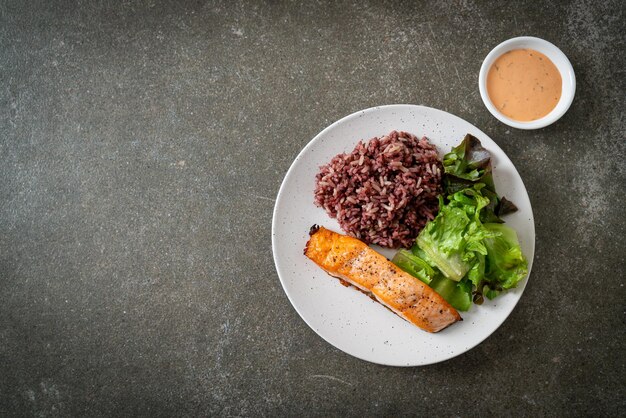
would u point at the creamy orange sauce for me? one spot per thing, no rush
(524, 84)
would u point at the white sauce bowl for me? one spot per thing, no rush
(556, 56)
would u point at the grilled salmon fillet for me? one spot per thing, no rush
(352, 260)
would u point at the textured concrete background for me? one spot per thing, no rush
(142, 145)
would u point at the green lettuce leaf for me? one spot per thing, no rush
(459, 295)
(444, 242)
(505, 263)
(455, 238)
(468, 161)
(469, 164)
(414, 265)
(485, 257)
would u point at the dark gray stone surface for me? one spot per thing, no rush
(142, 145)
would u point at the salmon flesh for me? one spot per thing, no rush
(352, 260)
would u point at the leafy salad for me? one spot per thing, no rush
(467, 253)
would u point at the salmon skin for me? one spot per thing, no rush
(352, 260)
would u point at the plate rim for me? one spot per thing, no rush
(281, 191)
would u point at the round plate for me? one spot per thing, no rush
(346, 318)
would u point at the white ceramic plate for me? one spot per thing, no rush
(346, 318)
